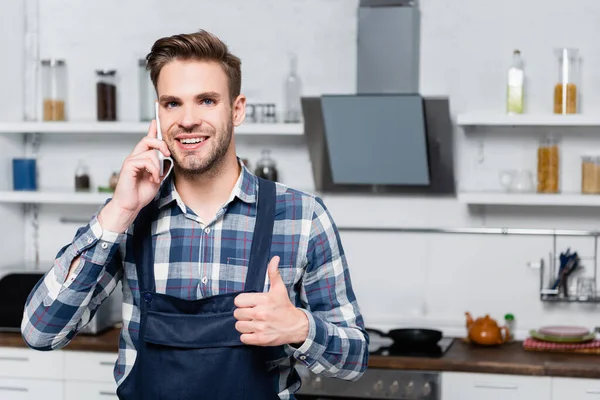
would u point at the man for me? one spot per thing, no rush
(228, 279)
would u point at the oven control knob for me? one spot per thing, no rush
(378, 386)
(317, 383)
(410, 388)
(426, 391)
(394, 387)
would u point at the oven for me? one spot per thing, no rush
(374, 384)
(381, 383)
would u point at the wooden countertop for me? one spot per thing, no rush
(461, 357)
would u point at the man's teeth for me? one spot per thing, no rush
(192, 141)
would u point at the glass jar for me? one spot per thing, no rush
(54, 89)
(548, 168)
(566, 90)
(106, 95)
(82, 177)
(293, 108)
(147, 93)
(266, 168)
(590, 174)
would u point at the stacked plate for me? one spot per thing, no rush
(563, 334)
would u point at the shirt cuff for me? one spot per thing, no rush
(316, 342)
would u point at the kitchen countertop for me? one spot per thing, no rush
(461, 357)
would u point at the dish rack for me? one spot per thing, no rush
(554, 289)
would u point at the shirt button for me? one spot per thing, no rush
(90, 240)
(204, 280)
(104, 245)
(302, 357)
(207, 230)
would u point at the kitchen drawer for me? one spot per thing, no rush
(468, 386)
(90, 391)
(90, 366)
(575, 389)
(27, 363)
(30, 389)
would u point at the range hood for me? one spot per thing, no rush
(386, 138)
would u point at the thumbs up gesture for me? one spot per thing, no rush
(270, 319)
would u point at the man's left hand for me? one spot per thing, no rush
(270, 319)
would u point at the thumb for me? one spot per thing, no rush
(274, 275)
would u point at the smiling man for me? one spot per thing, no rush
(228, 280)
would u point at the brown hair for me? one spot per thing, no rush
(199, 46)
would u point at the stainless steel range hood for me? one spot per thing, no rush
(387, 137)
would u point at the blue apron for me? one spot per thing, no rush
(190, 349)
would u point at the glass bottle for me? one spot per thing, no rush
(509, 321)
(106, 95)
(266, 168)
(566, 90)
(515, 90)
(147, 93)
(82, 177)
(548, 168)
(54, 84)
(293, 89)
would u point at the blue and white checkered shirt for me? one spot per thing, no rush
(193, 260)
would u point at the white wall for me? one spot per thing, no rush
(466, 48)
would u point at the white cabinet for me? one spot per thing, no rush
(30, 389)
(90, 391)
(27, 363)
(575, 389)
(89, 366)
(474, 386)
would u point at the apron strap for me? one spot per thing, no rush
(143, 249)
(261, 239)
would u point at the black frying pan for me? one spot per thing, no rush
(411, 337)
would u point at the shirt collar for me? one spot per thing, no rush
(245, 189)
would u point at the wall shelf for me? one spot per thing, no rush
(135, 128)
(54, 197)
(533, 199)
(498, 119)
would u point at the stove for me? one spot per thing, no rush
(379, 383)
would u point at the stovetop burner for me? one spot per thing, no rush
(394, 350)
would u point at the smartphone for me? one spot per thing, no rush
(161, 156)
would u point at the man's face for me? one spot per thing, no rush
(196, 114)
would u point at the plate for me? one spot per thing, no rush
(561, 339)
(564, 331)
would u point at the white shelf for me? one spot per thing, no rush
(488, 119)
(135, 128)
(53, 197)
(518, 199)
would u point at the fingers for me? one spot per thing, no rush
(243, 314)
(250, 300)
(249, 326)
(141, 165)
(150, 142)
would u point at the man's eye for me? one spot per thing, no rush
(208, 102)
(171, 104)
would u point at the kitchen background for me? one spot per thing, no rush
(401, 279)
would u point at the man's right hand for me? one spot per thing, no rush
(139, 181)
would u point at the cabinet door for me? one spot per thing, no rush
(27, 363)
(90, 391)
(90, 366)
(575, 389)
(468, 386)
(30, 389)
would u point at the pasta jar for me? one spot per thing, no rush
(566, 89)
(54, 89)
(590, 174)
(548, 168)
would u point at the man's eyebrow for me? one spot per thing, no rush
(204, 95)
(168, 99)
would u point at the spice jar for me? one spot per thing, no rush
(82, 177)
(54, 84)
(147, 93)
(566, 89)
(106, 95)
(265, 167)
(590, 174)
(548, 166)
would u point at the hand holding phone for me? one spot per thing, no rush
(161, 156)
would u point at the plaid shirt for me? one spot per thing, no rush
(193, 260)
